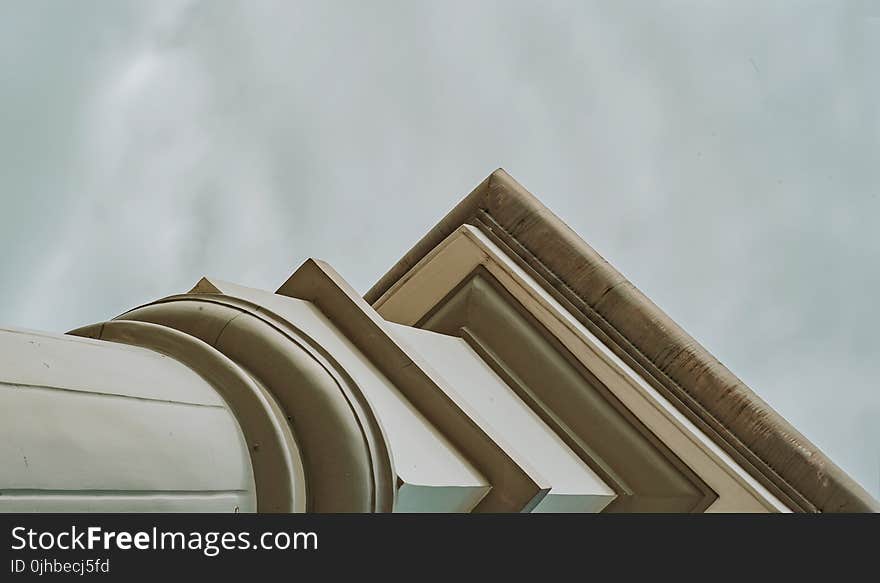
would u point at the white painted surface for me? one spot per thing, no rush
(435, 476)
(58, 360)
(94, 426)
(574, 487)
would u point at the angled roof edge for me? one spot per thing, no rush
(647, 339)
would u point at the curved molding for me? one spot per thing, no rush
(345, 461)
(274, 454)
(515, 488)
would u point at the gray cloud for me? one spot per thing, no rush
(724, 157)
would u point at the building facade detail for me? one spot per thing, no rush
(500, 366)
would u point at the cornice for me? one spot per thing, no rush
(642, 335)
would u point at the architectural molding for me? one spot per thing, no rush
(637, 332)
(347, 469)
(275, 458)
(645, 474)
(516, 488)
(95, 426)
(501, 366)
(467, 264)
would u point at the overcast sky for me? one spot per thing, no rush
(725, 157)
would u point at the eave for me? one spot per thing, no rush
(703, 390)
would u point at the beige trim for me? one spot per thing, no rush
(571, 401)
(432, 475)
(649, 342)
(483, 395)
(467, 248)
(277, 465)
(515, 488)
(345, 470)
